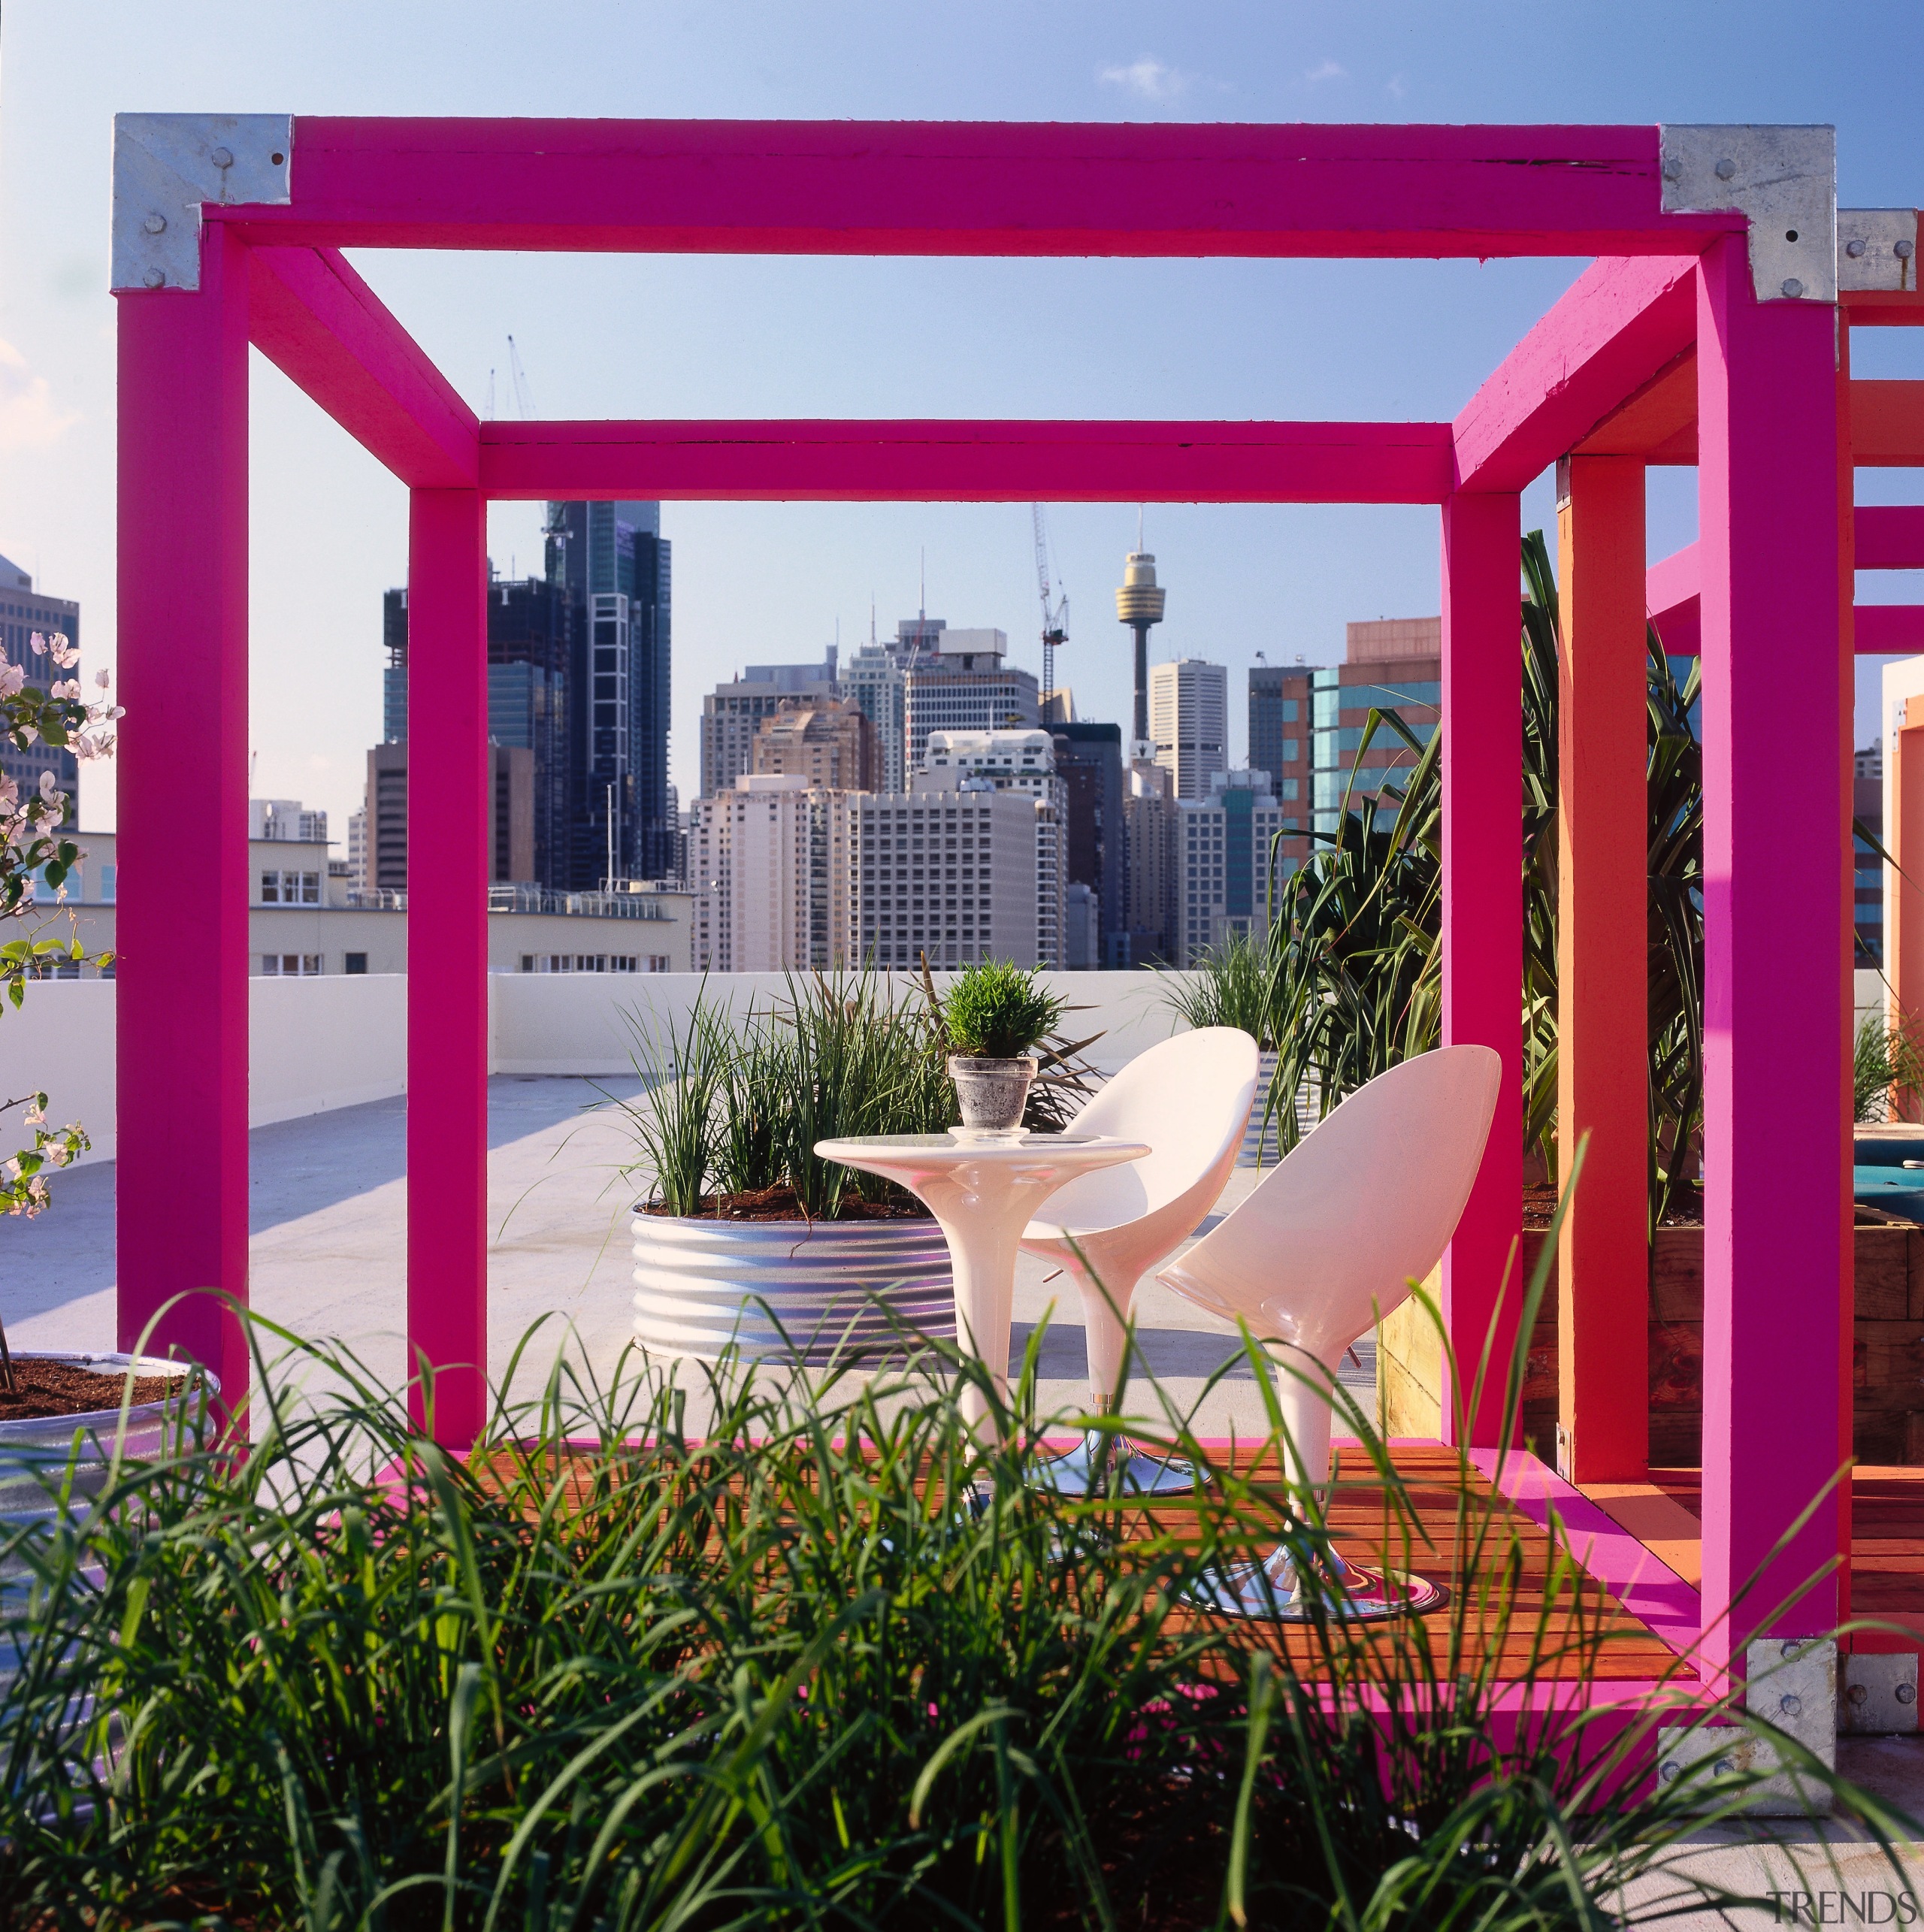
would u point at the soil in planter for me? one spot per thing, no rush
(65, 1389)
(778, 1204)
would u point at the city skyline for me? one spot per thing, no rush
(696, 335)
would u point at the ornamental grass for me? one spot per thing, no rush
(827, 1660)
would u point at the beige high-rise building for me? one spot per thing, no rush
(770, 865)
(1189, 722)
(826, 741)
(1149, 823)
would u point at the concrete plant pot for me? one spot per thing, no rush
(992, 1093)
(788, 1291)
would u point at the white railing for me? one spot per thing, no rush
(318, 1043)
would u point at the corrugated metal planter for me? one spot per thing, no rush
(36, 1451)
(852, 1285)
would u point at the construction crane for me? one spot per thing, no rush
(1055, 615)
(524, 402)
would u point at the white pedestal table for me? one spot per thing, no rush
(983, 1192)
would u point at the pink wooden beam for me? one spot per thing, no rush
(962, 188)
(891, 461)
(1672, 597)
(1774, 1152)
(182, 967)
(448, 817)
(1613, 331)
(1888, 536)
(1672, 602)
(1889, 630)
(1483, 925)
(320, 324)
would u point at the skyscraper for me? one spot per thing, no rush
(1088, 759)
(873, 679)
(1189, 722)
(1393, 664)
(732, 712)
(532, 625)
(531, 637)
(965, 684)
(615, 565)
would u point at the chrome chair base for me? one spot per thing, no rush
(1088, 1468)
(1346, 1592)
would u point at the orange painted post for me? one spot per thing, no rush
(1602, 1077)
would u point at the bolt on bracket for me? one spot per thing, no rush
(168, 167)
(1784, 179)
(1876, 249)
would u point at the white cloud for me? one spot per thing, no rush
(29, 419)
(1327, 70)
(1152, 79)
(1396, 87)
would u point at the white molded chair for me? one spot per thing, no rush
(1189, 1098)
(1332, 1240)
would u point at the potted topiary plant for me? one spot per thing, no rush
(994, 1015)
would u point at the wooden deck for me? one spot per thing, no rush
(1509, 1614)
(1887, 1538)
(1497, 1561)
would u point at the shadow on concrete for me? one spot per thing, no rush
(295, 1168)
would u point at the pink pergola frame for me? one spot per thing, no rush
(247, 250)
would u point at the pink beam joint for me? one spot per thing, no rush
(448, 820)
(181, 972)
(1774, 855)
(1483, 929)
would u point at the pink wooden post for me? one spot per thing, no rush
(181, 1194)
(1483, 917)
(447, 957)
(1767, 486)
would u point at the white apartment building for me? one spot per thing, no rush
(1020, 761)
(279, 819)
(1222, 863)
(947, 873)
(1189, 721)
(769, 865)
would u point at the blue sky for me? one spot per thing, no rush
(655, 336)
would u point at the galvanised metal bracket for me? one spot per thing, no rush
(167, 166)
(1876, 249)
(1784, 179)
(1791, 1682)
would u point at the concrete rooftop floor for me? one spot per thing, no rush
(328, 1254)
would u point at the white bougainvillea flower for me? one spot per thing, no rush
(12, 678)
(37, 644)
(65, 688)
(103, 679)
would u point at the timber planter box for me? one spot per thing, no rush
(1888, 1368)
